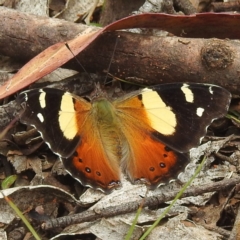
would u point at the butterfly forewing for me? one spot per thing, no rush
(179, 114)
(52, 113)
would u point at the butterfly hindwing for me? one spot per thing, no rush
(148, 160)
(90, 163)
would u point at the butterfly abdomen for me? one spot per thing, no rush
(108, 127)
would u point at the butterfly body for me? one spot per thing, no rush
(146, 133)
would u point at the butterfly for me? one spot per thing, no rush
(146, 134)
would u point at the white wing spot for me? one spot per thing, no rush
(188, 93)
(25, 97)
(211, 90)
(199, 112)
(42, 99)
(40, 117)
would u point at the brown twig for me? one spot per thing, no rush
(153, 60)
(235, 234)
(225, 6)
(226, 158)
(216, 229)
(167, 7)
(8, 113)
(91, 215)
(185, 6)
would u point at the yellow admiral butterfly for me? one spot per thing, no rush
(147, 133)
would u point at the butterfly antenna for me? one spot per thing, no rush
(111, 60)
(66, 44)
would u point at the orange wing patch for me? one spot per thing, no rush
(92, 164)
(147, 159)
(150, 161)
